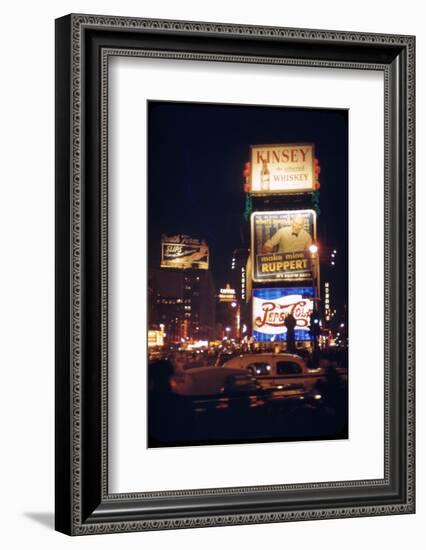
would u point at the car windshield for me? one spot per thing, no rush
(288, 367)
(224, 358)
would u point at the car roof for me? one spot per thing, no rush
(262, 356)
(212, 371)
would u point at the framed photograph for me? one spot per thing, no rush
(234, 274)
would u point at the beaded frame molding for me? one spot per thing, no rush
(84, 44)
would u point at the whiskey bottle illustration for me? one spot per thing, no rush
(265, 177)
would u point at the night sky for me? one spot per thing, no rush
(196, 155)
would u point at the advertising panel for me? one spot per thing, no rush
(281, 169)
(227, 294)
(280, 244)
(184, 252)
(271, 306)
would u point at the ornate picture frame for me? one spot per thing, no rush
(84, 45)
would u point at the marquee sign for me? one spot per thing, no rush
(155, 338)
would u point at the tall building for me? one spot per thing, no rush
(199, 295)
(183, 300)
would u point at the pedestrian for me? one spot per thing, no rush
(290, 323)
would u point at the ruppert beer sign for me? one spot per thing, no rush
(271, 306)
(281, 169)
(280, 245)
(184, 252)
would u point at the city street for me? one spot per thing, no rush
(240, 408)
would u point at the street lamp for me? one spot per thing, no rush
(315, 326)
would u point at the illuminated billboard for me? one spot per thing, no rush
(227, 294)
(271, 306)
(280, 244)
(281, 169)
(183, 252)
(155, 338)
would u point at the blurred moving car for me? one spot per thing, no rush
(217, 388)
(207, 380)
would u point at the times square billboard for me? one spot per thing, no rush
(184, 252)
(271, 307)
(282, 169)
(280, 242)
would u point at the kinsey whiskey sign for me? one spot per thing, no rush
(282, 169)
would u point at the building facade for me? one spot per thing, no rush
(183, 300)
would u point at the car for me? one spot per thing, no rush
(277, 370)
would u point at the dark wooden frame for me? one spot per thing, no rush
(83, 46)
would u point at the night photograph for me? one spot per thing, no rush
(247, 274)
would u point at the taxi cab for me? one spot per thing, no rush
(277, 370)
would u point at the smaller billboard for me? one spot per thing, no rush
(282, 169)
(227, 294)
(280, 245)
(271, 306)
(184, 252)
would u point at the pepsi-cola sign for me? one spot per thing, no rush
(271, 306)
